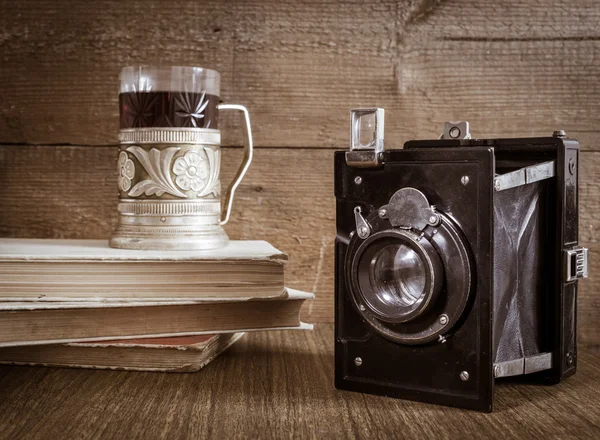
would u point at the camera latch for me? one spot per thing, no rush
(362, 226)
(366, 137)
(576, 266)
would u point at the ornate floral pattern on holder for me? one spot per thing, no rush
(195, 171)
(191, 171)
(126, 170)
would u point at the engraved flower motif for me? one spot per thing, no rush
(191, 171)
(126, 171)
(189, 107)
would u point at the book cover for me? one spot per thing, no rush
(38, 323)
(182, 354)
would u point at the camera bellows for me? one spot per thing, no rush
(521, 252)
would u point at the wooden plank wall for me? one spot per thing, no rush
(512, 68)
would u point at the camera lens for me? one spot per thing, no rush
(397, 275)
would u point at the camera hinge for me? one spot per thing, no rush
(576, 264)
(366, 138)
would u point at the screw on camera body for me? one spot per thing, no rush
(454, 132)
(570, 359)
(443, 320)
(559, 134)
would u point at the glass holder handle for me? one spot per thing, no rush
(239, 175)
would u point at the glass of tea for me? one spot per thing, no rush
(169, 160)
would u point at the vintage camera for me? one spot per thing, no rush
(457, 262)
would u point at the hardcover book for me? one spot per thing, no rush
(45, 322)
(84, 270)
(182, 354)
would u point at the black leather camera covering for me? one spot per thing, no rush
(429, 372)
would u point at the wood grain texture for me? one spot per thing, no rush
(287, 199)
(275, 385)
(509, 67)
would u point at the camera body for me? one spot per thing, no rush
(456, 263)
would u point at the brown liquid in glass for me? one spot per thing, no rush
(168, 109)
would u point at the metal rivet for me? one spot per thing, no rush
(435, 231)
(358, 180)
(358, 362)
(351, 234)
(361, 308)
(163, 219)
(570, 360)
(464, 180)
(454, 132)
(433, 219)
(497, 185)
(382, 212)
(464, 376)
(362, 231)
(443, 319)
(441, 339)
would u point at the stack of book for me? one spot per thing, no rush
(82, 303)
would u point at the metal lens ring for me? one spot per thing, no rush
(398, 274)
(415, 305)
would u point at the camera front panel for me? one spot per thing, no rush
(413, 292)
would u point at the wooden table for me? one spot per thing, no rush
(275, 385)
